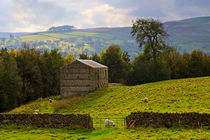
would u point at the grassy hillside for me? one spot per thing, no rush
(186, 35)
(74, 42)
(183, 95)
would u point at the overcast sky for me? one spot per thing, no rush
(39, 15)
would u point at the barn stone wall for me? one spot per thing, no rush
(101, 77)
(48, 120)
(169, 119)
(75, 79)
(78, 78)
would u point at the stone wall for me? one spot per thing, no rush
(101, 77)
(78, 78)
(75, 79)
(48, 120)
(169, 119)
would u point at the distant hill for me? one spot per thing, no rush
(10, 35)
(190, 34)
(186, 35)
(64, 28)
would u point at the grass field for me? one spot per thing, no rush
(23, 133)
(183, 95)
(57, 36)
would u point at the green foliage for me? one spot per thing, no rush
(50, 64)
(28, 74)
(188, 65)
(68, 59)
(96, 58)
(117, 62)
(196, 63)
(83, 56)
(149, 66)
(167, 62)
(10, 82)
(151, 35)
(144, 70)
(29, 70)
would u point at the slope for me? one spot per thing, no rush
(183, 95)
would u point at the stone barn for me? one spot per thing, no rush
(82, 76)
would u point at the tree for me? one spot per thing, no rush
(64, 28)
(29, 70)
(10, 81)
(83, 56)
(145, 71)
(174, 61)
(150, 65)
(127, 68)
(151, 35)
(68, 59)
(50, 63)
(196, 64)
(113, 59)
(96, 58)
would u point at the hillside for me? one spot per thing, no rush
(185, 35)
(183, 95)
(190, 34)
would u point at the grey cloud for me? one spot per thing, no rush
(41, 12)
(165, 9)
(5, 16)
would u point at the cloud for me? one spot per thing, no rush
(106, 15)
(39, 15)
(5, 17)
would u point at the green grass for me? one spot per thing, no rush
(38, 37)
(56, 36)
(14, 133)
(183, 95)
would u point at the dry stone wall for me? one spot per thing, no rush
(75, 79)
(48, 120)
(78, 78)
(169, 119)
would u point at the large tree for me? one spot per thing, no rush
(29, 70)
(150, 35)
(117, 62)
(50, 63)
(10, 81)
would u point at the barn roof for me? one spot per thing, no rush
(89, 63)
(92, 63)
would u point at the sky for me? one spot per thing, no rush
(39, 15)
